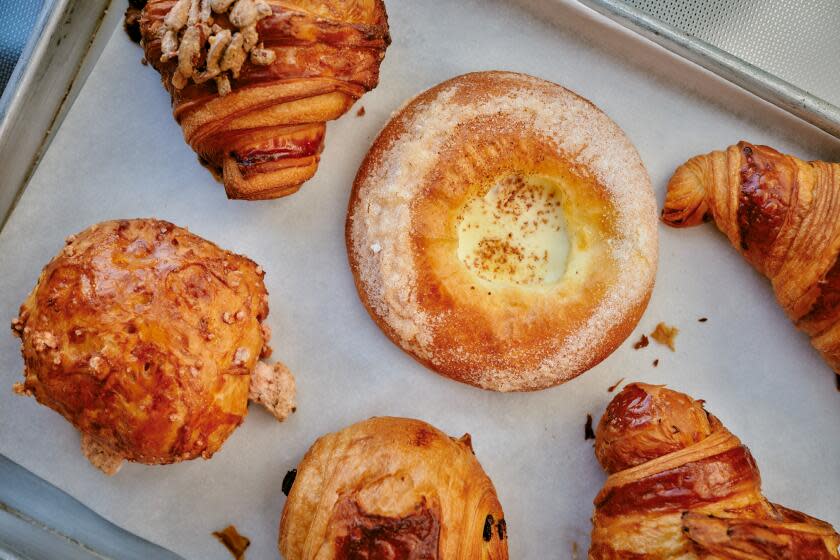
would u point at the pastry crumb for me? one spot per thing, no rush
(702, 319)
(103, 458)
(236, 543)
(361, 112)
(665, 334)
(656, 362)
(20, 389)
(642, 343)
(274, 388)
(615, 386)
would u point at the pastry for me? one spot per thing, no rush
(392, 488)
(502, 230)
(147, 338)
(781, 213)
(681, 486)
(253, 82)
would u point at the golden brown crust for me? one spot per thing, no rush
(264, 139)
(781, 214)
(392, 488)
(143, 336)
(682, 487)
(445, 149)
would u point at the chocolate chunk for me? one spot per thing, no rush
(289, 481)
(588, 432)
(501, 528)
(488, 528)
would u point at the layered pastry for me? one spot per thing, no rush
(392, 488)
(502, 230)
(148, 339)
(253, 82)
(682, 487)
(781, 213)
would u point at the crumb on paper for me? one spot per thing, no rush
(274, 388)
(642, 343)
(361, 112)
(235, 543)
(702, 319)
(100, 456)
(614, 386)
(656, 362)
(837, 379)
(665, 334)
(588, 432)
(575, 549)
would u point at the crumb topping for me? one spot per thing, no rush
(205, 50)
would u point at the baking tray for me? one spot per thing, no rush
(784, 51)
(118, 153)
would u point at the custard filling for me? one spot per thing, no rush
(516, 233)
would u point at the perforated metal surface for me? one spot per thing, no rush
(796, 40)
(17, 18)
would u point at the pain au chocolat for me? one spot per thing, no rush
(148, 339)
(502, 230)
(392, 488)
(253, 82)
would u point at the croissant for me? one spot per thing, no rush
(781, 213)
(253, 82)
(681, 486)
(392, 488)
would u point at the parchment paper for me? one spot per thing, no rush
(120, 154)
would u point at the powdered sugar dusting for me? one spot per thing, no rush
(393, 175)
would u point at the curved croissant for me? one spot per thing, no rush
(682, 487)
(392, 488)
(781, 213)
(261, 132)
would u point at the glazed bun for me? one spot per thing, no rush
(392, 488)
(145, 337)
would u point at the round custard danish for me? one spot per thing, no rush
(392, 488)
(502, 230)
